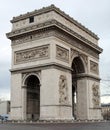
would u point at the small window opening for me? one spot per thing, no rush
(31, 19)
(30, 37)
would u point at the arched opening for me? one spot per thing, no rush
(33, 97)
(77, 68)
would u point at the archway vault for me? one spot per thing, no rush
(32, 84)
(83, 59)
(26, 75)
(78, 65)
(77, 68)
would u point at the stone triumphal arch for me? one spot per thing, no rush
(55, 67)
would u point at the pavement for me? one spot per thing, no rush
(56, 126)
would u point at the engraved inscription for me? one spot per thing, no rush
(96, 96)
(62, 53)
(63, 90)
(31, 54)
(94, 67)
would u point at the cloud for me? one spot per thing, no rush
(6, 93)
(105, 99)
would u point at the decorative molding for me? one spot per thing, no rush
(62, 53)
(41, 67)
(62, 36)
(88, 76)
(65, 105)
(18, 107)
(74, 53)
(31, 54)
(76, 43)
(84, 57)
(51, 24)
(63, 90)
(94, 67)
(25, 75)
(54, 8)
(96, 95)
(32, 37)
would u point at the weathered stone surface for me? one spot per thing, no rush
(54, 68)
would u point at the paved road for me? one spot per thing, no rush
(69, 126)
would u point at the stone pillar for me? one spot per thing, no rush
(24, 102)
(16, 97)
(94, 100)
(53, 106)
(88, 98)
(82, 99)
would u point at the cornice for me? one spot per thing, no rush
(84, 75)
(40, 67)
(52, 24)
(63, 14)
(53, 65)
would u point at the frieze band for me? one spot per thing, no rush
(32, 37)
(31, 54)
(62, 36)
(52, 23)
(77, 44)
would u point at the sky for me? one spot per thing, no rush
(93, 14)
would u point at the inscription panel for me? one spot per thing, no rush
(59, 35)
(62, 53)
(31, 54)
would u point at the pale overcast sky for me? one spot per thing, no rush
(94, 14)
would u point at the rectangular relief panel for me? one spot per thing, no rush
(96, 95)
(62, 53)
(31, 54)
(94, 67)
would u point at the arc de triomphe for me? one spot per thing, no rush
(55, 67)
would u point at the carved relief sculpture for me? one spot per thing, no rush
(63, 90)
(31, 54)
(47, 46)
(62, 53)
(96, 95)
(85, 58)
(74, 53)
(94, 67)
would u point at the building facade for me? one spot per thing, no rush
(106, 111)
(55, 67)
(4, 107)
